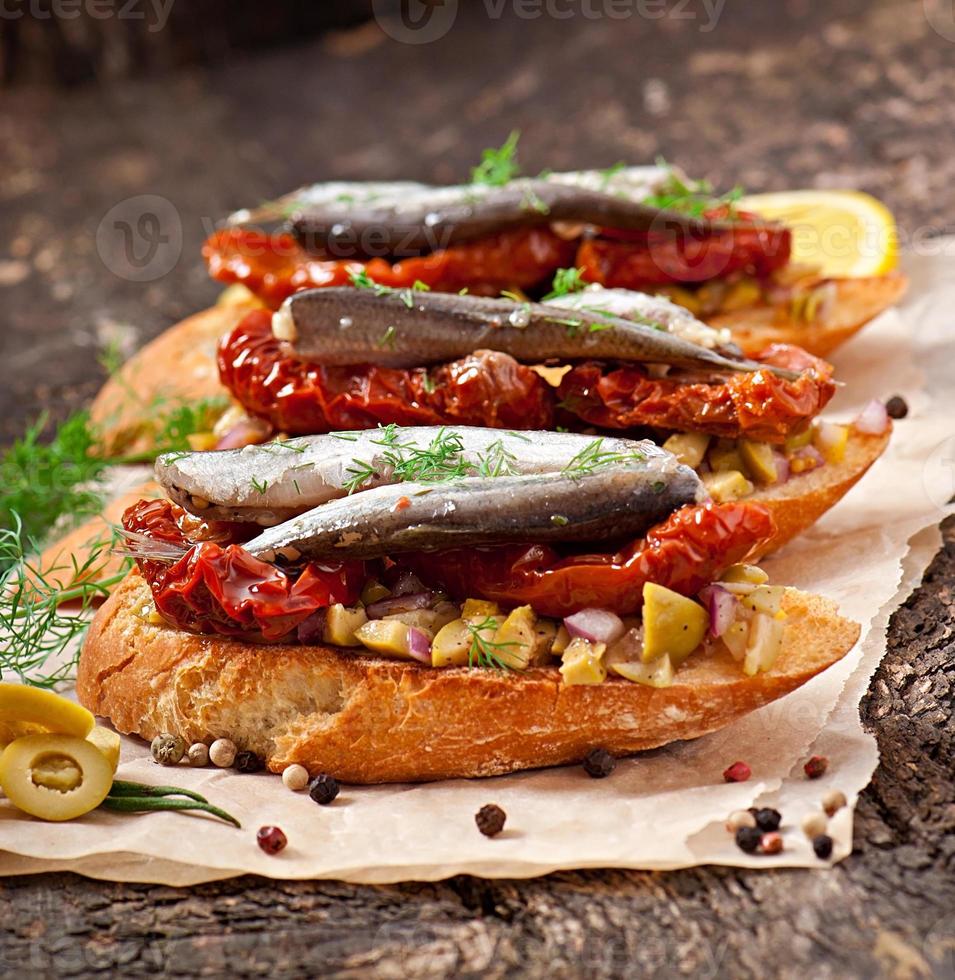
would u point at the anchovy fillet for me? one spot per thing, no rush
(270, 483)
(602, 505)
(407, 328)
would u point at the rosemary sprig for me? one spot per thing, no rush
(498, 164)
(33, 631)
(594, 457)
(484, 651)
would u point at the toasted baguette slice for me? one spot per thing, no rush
(178, 366)
(367, 719)
(87, 554)
(857, 302)
(803, 499)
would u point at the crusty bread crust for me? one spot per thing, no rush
(180, 364)
(368, 719)
(804, 498)
(85, 553)
(857, 302)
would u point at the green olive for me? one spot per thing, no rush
(54, 777)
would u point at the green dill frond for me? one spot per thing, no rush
(39, 643)
(566, 281)
(42, 481)
(484, 650)
(498, 165)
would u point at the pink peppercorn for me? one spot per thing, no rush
(738, 772)
(271, 839)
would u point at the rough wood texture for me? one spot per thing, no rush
(848, 93)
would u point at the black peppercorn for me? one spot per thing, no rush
(490, 819)
(896, 407)
(599, 763)
(748, 838)
(822, 845)
(768, 819)
(248, 762)
(323, 788)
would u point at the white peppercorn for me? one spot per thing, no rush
(739, 818)
(833, 800)
(168, 749)
(198, 754)
(295, 777)
(814, 824)
(222, 752)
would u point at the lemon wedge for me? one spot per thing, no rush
(843, 233)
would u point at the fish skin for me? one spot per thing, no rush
(304, 472)
(405, 218)
(608, 504)
(410, 328)
(629, 303)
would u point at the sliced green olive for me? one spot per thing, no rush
(54, 777)
(26, 710)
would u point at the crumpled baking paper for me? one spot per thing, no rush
(662, 809)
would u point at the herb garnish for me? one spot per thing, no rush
(484, 651)
(498, 165)
(594, 457)
(33, 630)
(497, 461)
(694, 198)
(388, 338)
(260, 487)
(566, 281)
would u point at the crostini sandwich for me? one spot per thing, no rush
(411, 604)
(649, 229)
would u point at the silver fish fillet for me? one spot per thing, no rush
(406, 218)
(601, 505)
(642, 307)
(270, 483)
(408, 328)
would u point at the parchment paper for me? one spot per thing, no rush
(663, 809)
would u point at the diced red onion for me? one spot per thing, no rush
(248, 432)
(407, 584)
(721, 605)
(782, 467)
(312, 630)
(399, 604)
(595, 625)
(873, 419)
(419, 645)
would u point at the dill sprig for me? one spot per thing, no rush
(361, 280)
(484, 650)
(594, 457)
(42, 481)
(498, 164)
(441, 460)
(566, 281)
(497, 461)
(35, 636)
(690, 197)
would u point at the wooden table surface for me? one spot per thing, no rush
(852, 93)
